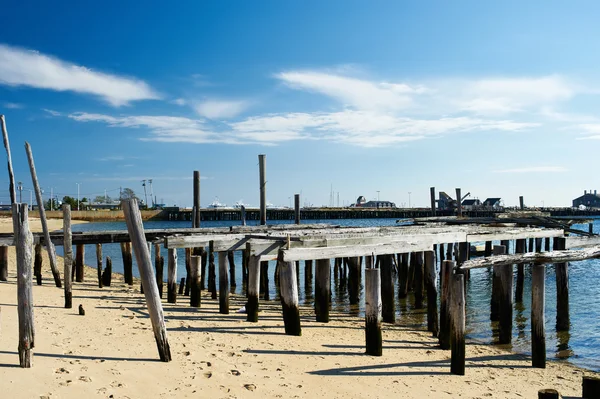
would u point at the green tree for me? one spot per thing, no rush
(128, 193)
(101, 199)
(71, 201)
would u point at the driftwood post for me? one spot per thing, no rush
(68, 255)
(457, 336)
(172, 276)
(388, 310)
(445, 282)
(11, 176)
(289, 296)
(40, 202)
(562, 288)
(135, 228)
(322, 289)
(99, 263)
(538, 330)
(3, 263)
(24, 247)
(37, 265)
(223, 284)
(195, 297)
(432, 315)
(373, 312)
(253, 288)
(79, 262)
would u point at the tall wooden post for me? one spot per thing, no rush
(135, 228)
(159, 265)
(195, 297)
(432, 315)
(520, 248)
(172, 275)
(79, 262)
(99, 263)
(402, 275)
(388, 309)
(373, 312)
(521, 203)
(188, 274)
(253, 288)
(11, 175)
(538, 330)
(289, 296)
(68, 255)
(297, 208)
(458, 203)
(223, 284)
(322, 289)
(505, 298)
(40, 202)
(432, 197)
(24, 246)
(212, 274)
(562, 288)
(231, 261)
(196, 218)
(263, 188)
(457, 336)
(127, 262)
(445, 282)
(3, 263)
(353, 279)
(418, 280)
(37, 265)
(496, 286)
(107, 275)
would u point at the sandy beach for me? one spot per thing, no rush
(111, 353)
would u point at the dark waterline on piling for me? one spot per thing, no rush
(580, 346)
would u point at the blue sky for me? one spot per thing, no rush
(499, 98)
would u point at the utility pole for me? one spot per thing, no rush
(151, 193)
(145, 194)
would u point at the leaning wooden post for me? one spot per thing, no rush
(388, 310)
(538, 330)
(223, 284)
(138, 239)
(231, 261)
(24, 247)
(520, 248)
(562, 288)
(79, 262)
(3, 263)
(263, 188)
(445, 282)
(418, 280)
(196, 218)
(496, 285)
(289, 296)
(505, 297)
(40, 202)
(253, 288)
(172, 276)
(195, 297)
(297, 208)
(99, 263)
(457, 335)
(159, 265)
(402, 275)
(322, 290)
(432, 314)
(373, 312)
(37, 265)
(11, 177)
(127, 262)
(68, 255)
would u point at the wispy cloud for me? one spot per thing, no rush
(12, 105)
(179, 101)
(534, 169)
(218, 109)
(21, 67)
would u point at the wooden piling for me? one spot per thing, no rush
(548, 394)
(373, 315)
(212, 274)
(562, 288)
(505, 297)
(181, 286)
(79, 262)
(520, 248)
(188, 275)
(231, 261)
(68, 255)
(42, 212)
(253, 288)
(264, 280)
(418, 280)
(195, 297)
(24, 246)
(538, 330)
(99, 264)
(432, 314)
(3, 263)
(107, 275)
(223, 284)
(590, 387)
(458, 203)
(136, 233)
(432, 198)
(538, 244)
(308, 275)
(496, 285)
(521, 204)
(322, 290)
(289, 296)
(263, 188)
(127, 262)
(353, 279)
(488, 249)
(388, 309)
(172, 275)
(243, 215)
(457, 316)
(37, 265)
(159, 265)
(445, 283)
(196, 205)
(402, 275)
(297, 208)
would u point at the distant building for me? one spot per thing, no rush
(492, 203)
(94, 206)
(361, 202)
(588, 200)
(446, 202)
(471, 204)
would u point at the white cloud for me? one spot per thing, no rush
(534, 169)
(218, 109)
(20, 67)
(52, 112)
(12, 105)
(179, 101)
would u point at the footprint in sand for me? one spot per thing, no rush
(62, 370)
(250, 387)
(235, 372)
(208, 374)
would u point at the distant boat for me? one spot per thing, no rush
(216, 204)
(240, 203)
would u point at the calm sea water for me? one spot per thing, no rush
(580, 346)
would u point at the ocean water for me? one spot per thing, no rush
(580, 346)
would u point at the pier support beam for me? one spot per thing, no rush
(172, 276)
(262, 162)
(373, 312)
(253, 288)
(520, 248)
(538, 330)
(289, 296)
(223, 284)
(68, 255)
(322, 290)
(430, 285)
(562, 288)
(388, 309)
(354, 279)
(457, 336)
(418, 280)
(402, 275)
(445, 282)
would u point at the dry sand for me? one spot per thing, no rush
(111, 353)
